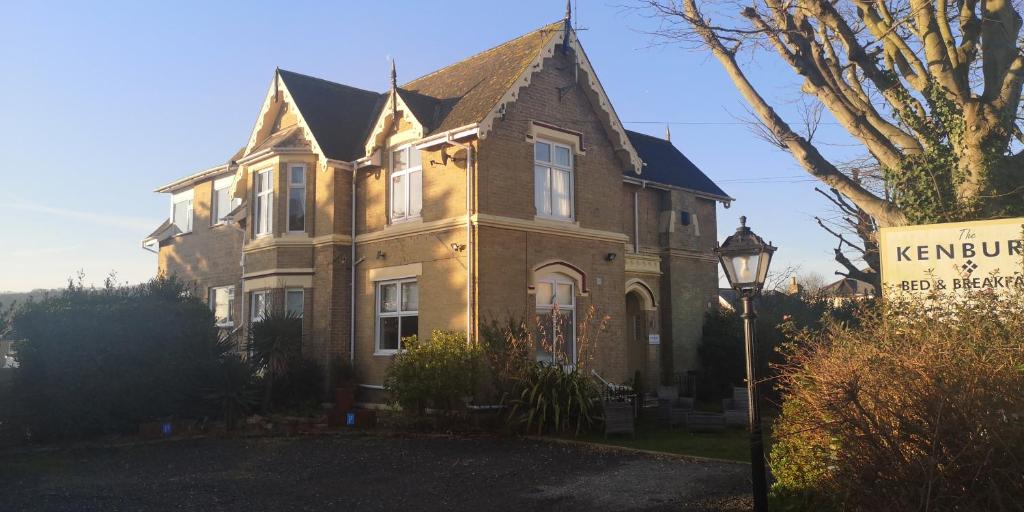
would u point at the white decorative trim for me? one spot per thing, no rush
(539, 225)
(192, 179)
(395, 272)
(386, 120)
(603, 103)
(282, 87)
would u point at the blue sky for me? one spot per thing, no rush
(106, 101)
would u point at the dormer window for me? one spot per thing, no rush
(553, 180)
(181, 210)
(406, 184)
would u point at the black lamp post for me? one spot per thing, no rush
(745, 258)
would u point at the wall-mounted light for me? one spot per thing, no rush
(381, 255)
(610, 256)
(457, 247)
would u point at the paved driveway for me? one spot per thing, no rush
(357, 472)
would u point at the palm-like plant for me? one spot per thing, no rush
(275, 345)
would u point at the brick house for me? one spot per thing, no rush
(492, 188)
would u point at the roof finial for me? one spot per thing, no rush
(394, 75)
(743, 221)
(568, 11)
(668, 133)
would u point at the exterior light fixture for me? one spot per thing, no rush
(745, 258)
(610, 256)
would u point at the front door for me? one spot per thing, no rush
(636, 337)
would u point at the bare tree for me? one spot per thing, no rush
(930, 88)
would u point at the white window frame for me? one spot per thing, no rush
(218, 185)
(263, 199)
(399, 313)
(212, 302)
(548, 307)
(301, 292)
(407, 184)
(288, 199)
(252, 305)
(184, 197)
(551, 167)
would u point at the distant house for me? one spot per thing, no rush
(847, 289)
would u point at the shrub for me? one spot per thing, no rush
(553, 398)
(232, 393)
(289, 380)
(556, 396)
(722, 354)
(441, 372)
(95, 361)
(920, 407)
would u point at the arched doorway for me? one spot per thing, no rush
(636, 337)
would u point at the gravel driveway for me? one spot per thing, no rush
(364, 472)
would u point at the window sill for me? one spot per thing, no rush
(407, 220)
(385, 353)
(229, 325)
(560, 220)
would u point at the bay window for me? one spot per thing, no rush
(222, 303)
(294, 301)
(553, 180)
(259, 305)
(397, 313)
(556, 319)
(406, 184)
(297, 198)
(263, 201)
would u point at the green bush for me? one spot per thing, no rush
(917, 405)
(96, 361)
(556, 397)
(232, 395)
(441, 372)
(722, 354)
(553, 398)
(290, 381)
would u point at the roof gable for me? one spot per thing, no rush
(665, 164)
(338, 116)
(467, 91)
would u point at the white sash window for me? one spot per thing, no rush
(406, 184)
(553, 180)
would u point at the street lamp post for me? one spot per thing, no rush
(745, 258)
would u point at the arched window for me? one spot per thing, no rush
(556, 314)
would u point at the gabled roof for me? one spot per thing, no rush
(339, 116)
(469, 89)
(665, 164)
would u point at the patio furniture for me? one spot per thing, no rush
(737, 410)
(705, 422)
(618, 418)
(671, 407)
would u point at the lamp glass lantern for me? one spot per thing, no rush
(745, 257)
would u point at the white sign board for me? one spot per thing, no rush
(953, 257)
(654, 339)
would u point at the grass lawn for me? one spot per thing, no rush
(731, 444)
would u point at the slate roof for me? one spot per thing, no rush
(339, 116)
(664, 163)
(469, 89)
